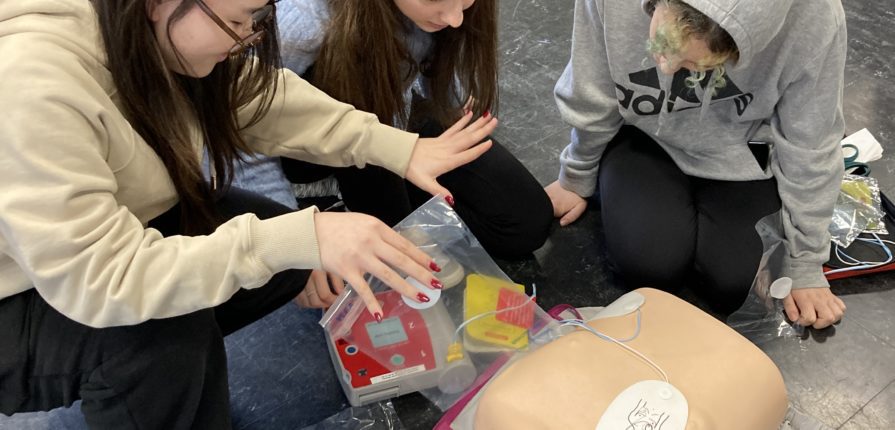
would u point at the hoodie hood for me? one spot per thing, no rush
(752, 24)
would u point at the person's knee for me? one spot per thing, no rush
(726, 288)
(534, 228)
(526, 232)
(174, 364)
(197, 334)
(638, 268)
(182, 345)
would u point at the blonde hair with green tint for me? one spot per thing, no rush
(687, 24)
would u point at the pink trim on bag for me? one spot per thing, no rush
(559, 309)
(454, 411)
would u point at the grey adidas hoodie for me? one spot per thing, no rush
(786, 89)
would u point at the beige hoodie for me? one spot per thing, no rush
(78, 185)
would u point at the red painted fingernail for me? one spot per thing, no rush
(487, 114)
(378, 317)
(423, 298)
(434, 267)
(450, 200)
(437, 284)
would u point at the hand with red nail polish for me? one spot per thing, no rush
(352, 245)
(458, 145)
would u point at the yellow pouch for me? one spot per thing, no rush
(506, 318)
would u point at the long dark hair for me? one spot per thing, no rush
(363, 60)
(163, 106)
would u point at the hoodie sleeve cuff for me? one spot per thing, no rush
(288, 241)
(582, 184)
(392, 148)
(805, 275)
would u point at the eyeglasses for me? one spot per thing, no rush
(259, 19)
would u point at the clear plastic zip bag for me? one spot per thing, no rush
(857, 210)
(376, 416)
(761, 317)
(439, 348)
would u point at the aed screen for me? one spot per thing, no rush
(389, 332)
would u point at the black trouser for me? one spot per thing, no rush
(161, 374)
(503, 205)
(663, 226)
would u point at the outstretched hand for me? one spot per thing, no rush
(353, 244)
(567, 206)
(814, 307)
(457, 146)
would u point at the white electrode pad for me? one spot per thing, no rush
(646, 405)
(781, 288)
(433, 293)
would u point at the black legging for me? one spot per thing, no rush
(499, 200)
(161, 374)
(662, 226)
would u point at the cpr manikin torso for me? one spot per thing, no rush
(568, 384)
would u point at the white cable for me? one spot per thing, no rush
(534, 294)
(862, 265)
(581, 324)
(842, 255)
